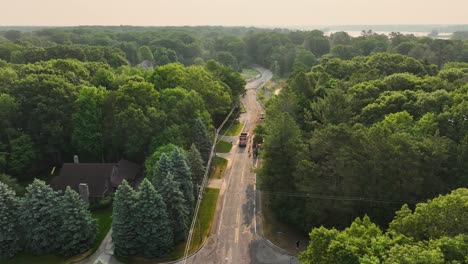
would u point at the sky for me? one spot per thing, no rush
(231, 12)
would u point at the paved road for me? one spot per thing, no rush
(235, 234)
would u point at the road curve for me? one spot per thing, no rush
(235, 235)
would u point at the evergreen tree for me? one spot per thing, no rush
(40, 218)
(123, 223)
(161, 169)
(201, 139)
(10, 234)
(183, 176)
(154, 232)
(78, 231)
(195, 162)
(176, 206)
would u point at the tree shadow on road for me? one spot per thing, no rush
(262, 253)
(248, 207)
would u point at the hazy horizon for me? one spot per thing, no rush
(262, 13)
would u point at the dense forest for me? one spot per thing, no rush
(381, 119)
(364, 136)
(385, 127)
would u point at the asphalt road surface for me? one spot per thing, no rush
(236, 234)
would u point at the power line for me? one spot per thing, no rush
(203, 185)
(336, 197)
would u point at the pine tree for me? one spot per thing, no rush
(154, 231)
(176, 206)
(40, 218)
(123, 223)
(183, 176)
(10, 232)
(202, 140)
(195, 162)
(161, 169)
(79, 229)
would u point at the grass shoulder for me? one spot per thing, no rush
(219, 168)
(233, 130)
(223, 146)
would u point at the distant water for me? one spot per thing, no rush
(352, 33)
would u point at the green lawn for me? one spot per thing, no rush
(248, 73)
(24, 258)
(220, 168)
(233, 130)
(104, 220)
(205, 218)
(200, 233)
(223, 146)
(242, 109)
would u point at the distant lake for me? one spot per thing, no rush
(352, 33)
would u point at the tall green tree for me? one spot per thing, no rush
(135, 117)
(124, 225)
(8, 113)
(228, 76)
(144, 53)
(104, 77)
(201, 139)
(283, 143)
(195, 162)
(79, 228)
(48, 99)
(215, 93)
(88, 122)
(317, 43)
(334, 108)
(152, 161)
(153, 231)
(160, 170)
(183, 175)
(22, 156)
(40, 218)
(10, 232)
(176, 206)
(181, 107)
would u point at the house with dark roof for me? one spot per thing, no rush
(100, 178)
